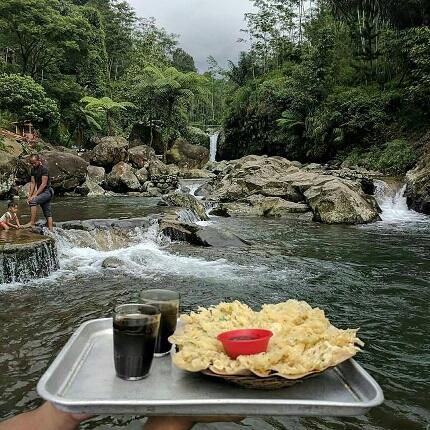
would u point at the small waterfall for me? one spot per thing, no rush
(25, 262)
(188, 216)
(393, 204)
(213, 146)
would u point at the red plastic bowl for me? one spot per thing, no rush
(247, 341)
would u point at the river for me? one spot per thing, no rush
(375, 277)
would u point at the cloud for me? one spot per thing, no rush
(206, 27)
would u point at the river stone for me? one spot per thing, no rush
(337, 202)
(187, 201)
(26, 256)
(90, 189)
(8, 168)
(140, 156)
(67, 171)
(331, 199)
(110, 151)
(195, 174)
(142, 175)
(275, 206)
(187, 155)
(122, 178)
(209, 236)
(112, 263)
(418, 181)
(96, 174)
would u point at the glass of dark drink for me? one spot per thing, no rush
(135, 331)
(168, 303)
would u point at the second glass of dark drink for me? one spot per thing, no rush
(168, 303)
(135, 331)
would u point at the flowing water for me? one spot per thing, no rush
(213, 146)
(375, 277)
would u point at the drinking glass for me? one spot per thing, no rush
(135, 331)
(168, 303)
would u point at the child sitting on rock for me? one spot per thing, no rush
(10, 216)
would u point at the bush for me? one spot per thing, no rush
(394, 158)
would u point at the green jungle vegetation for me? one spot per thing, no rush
(342, 80)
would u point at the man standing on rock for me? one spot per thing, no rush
(41, 192)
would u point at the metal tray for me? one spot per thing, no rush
(82, 379)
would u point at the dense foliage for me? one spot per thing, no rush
(339, 76)
(81, 68)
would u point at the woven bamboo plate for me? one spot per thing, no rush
(255, 382)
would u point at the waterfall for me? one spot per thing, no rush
(23, 262)
(392, 201)
(213, 146)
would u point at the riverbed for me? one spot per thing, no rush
(375, 277)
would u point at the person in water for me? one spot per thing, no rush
(6, 221)
(41, 192)
(47, 417)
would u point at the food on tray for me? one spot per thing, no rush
(303, 340)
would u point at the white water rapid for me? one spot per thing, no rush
(213, 146)
(393, 204)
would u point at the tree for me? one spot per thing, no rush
(43, 34)
(27, 99)
(183, 61)
(107, 106)
(81, 121)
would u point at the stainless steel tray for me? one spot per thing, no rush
(82, 379)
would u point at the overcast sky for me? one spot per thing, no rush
(206, 27)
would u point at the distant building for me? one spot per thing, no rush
(25, 129)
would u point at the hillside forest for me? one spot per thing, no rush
(324, 81)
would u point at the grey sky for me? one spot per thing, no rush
(206, 27)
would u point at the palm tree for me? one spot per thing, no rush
(107, 106)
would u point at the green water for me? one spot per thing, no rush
(374, 277)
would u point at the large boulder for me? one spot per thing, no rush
(336, 202)
(122, 178)
(186, 155)
(91, 189)
(110, 151)
(96, 174)
(142, 175)
(418, 182)
(12, 146)
(186, 201)
(8, 168)
(67, 171)
(331, 199)
(140, 156)
(142, 134)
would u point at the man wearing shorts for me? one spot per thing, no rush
(41, 192)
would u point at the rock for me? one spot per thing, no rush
(198, 235)
(418, 184)
(26, 256)
(157, 168)
(122, 178)
(95, 174)
(219, 211)
(112, 263)
(337, 202)
(186, 155)
(313, 166)
(140, 156)
(154, 192)
(195, 174)
(275, 206)
(90, 189)
(142, 175)
(332, 199)
(142, 134)
(110, 151)
(187, 201)
(8, 168)
(65, 149)
(67, 171)
(12, 146)
(209, 236)
(196, 136)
